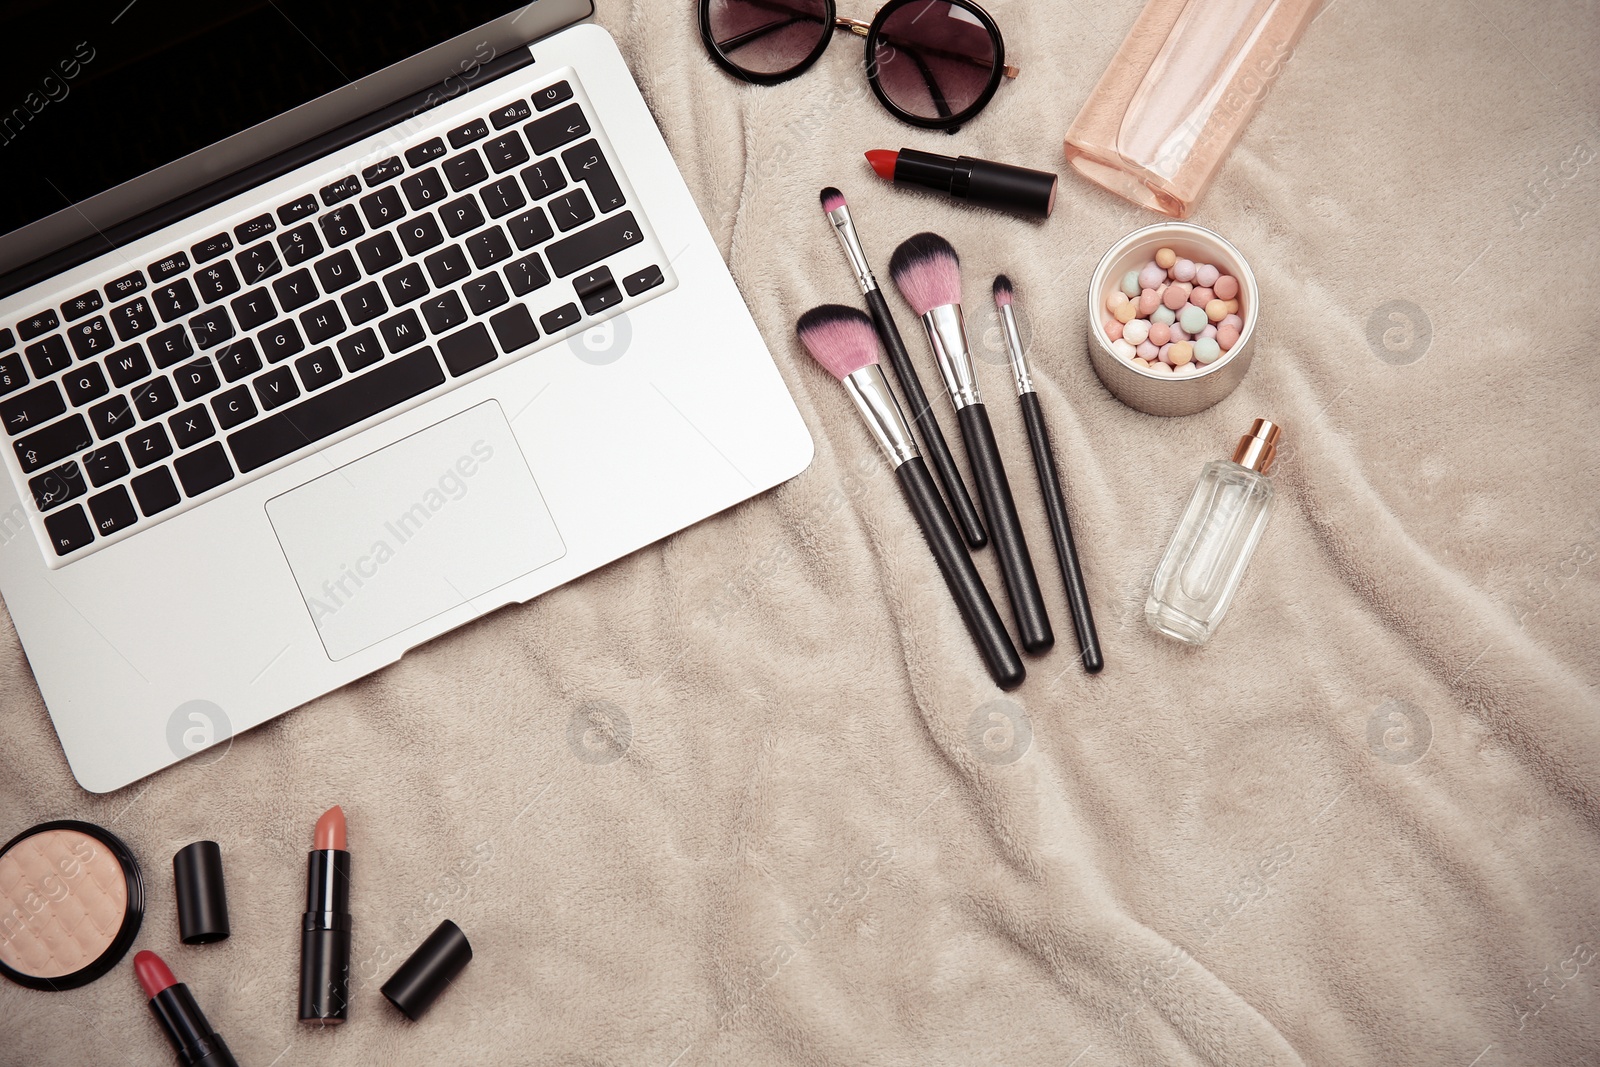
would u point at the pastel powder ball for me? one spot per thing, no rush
(1136, 331)
(1113, 329)
(1206, 275)
(1176, 296)
(1122, 348)
(1165, 258)
(1226, 287)
(1160, 334)
(1147, 351)
(1149, 300)
(1151, 276)
(1227, 337)
(1183, 270)
(1165, 316)
(1192, 319)
(1130, 284)
(1206, 350)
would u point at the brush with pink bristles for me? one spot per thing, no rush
(842, 339)
(928, 273)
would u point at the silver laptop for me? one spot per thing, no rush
(325, 329)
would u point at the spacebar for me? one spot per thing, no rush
(340, 408)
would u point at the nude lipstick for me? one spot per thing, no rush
(997, 185)
(325, 932)
(196, 1044)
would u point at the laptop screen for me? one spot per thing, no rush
(93, 94)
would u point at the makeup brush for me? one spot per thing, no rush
(966, 513)
(1055, 505)
(842, 340)
(928, 273)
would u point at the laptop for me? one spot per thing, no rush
(325, 329)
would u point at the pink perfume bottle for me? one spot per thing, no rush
(1178, 93)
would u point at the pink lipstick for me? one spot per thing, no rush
(325, 931)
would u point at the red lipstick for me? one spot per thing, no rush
(192, 1037)
(325, 930)
(996, 185)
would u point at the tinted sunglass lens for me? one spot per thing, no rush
(934, 58)
(768, 36)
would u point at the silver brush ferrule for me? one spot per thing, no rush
(1019, 359)
(947, 332)
(845, 230)
(881, 412)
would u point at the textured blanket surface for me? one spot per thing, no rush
(748, 797)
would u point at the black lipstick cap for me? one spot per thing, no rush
(435, 964)
(202, 901)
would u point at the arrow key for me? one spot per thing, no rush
(556, 129)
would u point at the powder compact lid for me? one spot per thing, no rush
(71, 901)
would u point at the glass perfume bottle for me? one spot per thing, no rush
(1227, 512)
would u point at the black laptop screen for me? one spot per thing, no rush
(93, 94)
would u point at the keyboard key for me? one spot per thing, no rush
(360, 350)
(341, 225)
(253, 309)
(233, 407)
(295, 290)
(32, 409)
(549, 97)
(383, 207)
(281, 341)
(556, 129)
(149, 444)
(176, 263)
(526, 275)
(648, 278)
(300, 245)
(258, 263)
(133, 318)
(420, 234)
(125, 286)
(7, 339)
(216, 282)
(514, 328)
(12, 376)
(91, 338)
(337, 272)
(467, 350)
(322, 322)
(85, 383)
(111, 417)
(48, 356)
(43, 322)
(105, 464)
(587, 164)
(485, 294)
(405, 285)
(276, 388)
(402, 331)
(571, 210)
(298, 209)
(561, 318)
(476, 130)
(446, 266)
(597, 290)
(425, 152)
(423, 189)
(502, 198)
(170, 345)
(341, 190)
(204, 470)
(69, 530)
(127, 365)
(379, 173)
(461, 216)
(531, 228)
(197, 379)
(489, 247)
(588, 247)
(211, 328)
(191, 426)
(444, 312)
(505, 151)
(211, 248)
(363, 304)
(112, 511)
(53, 444)
(378, 253)
(466, 170)
(543, 178)
(154, 398)
(55, 487)
(79, 306)
(510, 115)
(155, 491)
(318, 369)
(328, 412)
(175, 299)
(239, 360)
(255, 229)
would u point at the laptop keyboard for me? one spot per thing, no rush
(183, 378)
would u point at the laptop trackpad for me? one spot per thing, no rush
(422, 526)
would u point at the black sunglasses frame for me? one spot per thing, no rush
(873, 32)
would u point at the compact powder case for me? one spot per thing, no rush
(71, 901)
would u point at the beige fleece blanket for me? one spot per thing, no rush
(748, 797)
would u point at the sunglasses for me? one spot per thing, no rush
(932, 63)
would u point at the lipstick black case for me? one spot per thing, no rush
(185, 1025)
(325, 938)
(997, 185)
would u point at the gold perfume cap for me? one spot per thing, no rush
(1258, 448)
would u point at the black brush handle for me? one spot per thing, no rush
(1027, 602)
(1055, 507)
(971, 596)
(933, 443)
